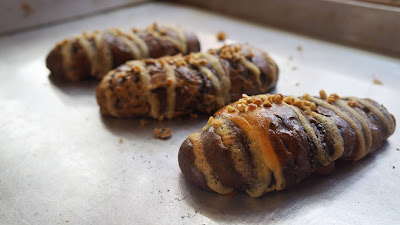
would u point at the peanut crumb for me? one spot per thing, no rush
(121, 140)
(352, 103)
(335, 96)
(221, 36)
(323, 94)
(202, 62)
(250, 55)
(307, 96)
(216, 123)
(211, 51)
(378, 82)
(278, 98)
(241, 107)
(194, 116)
(162, 133)
(330, 99)
(249, 100)
(244, 96)
(299, 48)
(313, 106)
(257, 101)
(252, 106)
(287, 100)
(143, 122)
(230, 109)
(136, 69)
(267, 103)
(299, 104)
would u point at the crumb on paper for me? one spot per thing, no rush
(297, 84)
(221, 36)
(290, 58)
(378, 82)
(67, 221)
(27, 9)
(294, 68)
(143, 122)
(299, 48)
(394, 167)
(398, 149)
(121, 140)
(163, 133)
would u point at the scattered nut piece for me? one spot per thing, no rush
(267, 103)
(257, 101)
(335, 96)
(162, 133)
(352, 103)
(313, 106)
(202, 62)
(221, 36)
(250, 55)
(244, 96)
(230, 109)
(299, 104)
(241, 107)
(307, 96)
(299, 48)
(249, 99)
(323, 94)
(278, 98)
(121, 140)
(378, 82)
(252, 106)
(136, 69)
(330, 99)
(143, 122)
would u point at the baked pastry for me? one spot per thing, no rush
(175, 86)
(271, 142)
(95, 54)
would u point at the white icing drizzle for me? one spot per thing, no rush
(171, 93)
(108, 94)
(220, 96)
(66, 59)
(322, 155)
(104, 57)
(334, 132)
(144, 49)
(134, 49)
(179, 43)
(90, 52)
(389, 124)
(223, 78)
(340, 113)
(253, 68)
(364, 124)
(204, 167)
(151, 98)
(237, 155)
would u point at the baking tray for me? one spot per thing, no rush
(62, 163)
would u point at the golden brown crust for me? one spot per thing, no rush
(171, 87)
(284, 139)
(93, 55)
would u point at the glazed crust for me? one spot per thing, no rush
(271, 142)
(176, 86)
(93, 55)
